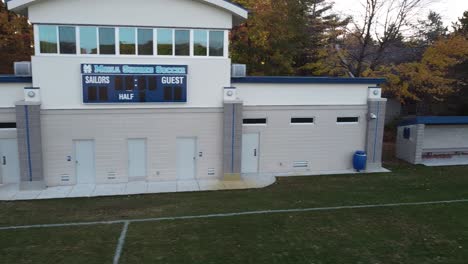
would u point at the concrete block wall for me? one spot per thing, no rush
(232, 139)
(411, 149)
(375, 132)
(28, 123)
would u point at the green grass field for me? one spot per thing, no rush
(409, 234)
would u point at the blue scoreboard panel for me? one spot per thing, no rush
(127, 83)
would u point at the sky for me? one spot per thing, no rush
(450, 10)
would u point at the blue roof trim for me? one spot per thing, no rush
(14, 79)
(435, 120)
(305, 80)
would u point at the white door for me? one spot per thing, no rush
(136, 158)
(85, 162)
(250, 153)
(186, 158)
(9, 161)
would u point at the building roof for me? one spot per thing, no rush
(15, 79)
(306, 80)
(235, 9)
(435, 120)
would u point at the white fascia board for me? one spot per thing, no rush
(18, 5)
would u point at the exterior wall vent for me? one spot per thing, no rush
(301, 164)
(238, 70)
(23, 68)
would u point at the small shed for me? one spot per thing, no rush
(433, 140)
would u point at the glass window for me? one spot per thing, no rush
(200, 42)
(145, 42)
(165, 41)
(217, 43)
(67, 40)
(127, 41)
(107, 41)
(88, 40)
(347, 120)
(48, 39)
(182, 42)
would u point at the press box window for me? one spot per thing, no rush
(302, 120)
(255, 121)
(182, 42)
(347, 120)
(88, 40)
(107, 41)
(67, 40)
(127, 41)
(217, 43)
(7, 125)
(48, 39)
(200, 42)
(145, 42)
(165, 41)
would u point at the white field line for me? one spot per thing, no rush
(118, 250)
(264, 212)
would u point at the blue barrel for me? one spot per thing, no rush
(360, 160)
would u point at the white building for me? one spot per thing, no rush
(141, 90)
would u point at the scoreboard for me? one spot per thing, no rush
(127, 83)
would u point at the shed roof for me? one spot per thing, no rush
(435, 120)
(306, 80)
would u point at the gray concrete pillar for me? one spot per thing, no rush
(28, 127)
(375, 132)
(232, 143)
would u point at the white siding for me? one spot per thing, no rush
(302, 94)
(59, 78)
(326, 145)
(445, 137)
(112, 128)
(162, 13)
(10, 93)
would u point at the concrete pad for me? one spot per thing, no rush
(26, 195)
(188, 186)
(162, 187)
(55, 192)
(453, 161)
(139, 187)
(210, 185)
(8, 191)
(234, 185)
(82, 190)
(109, 189)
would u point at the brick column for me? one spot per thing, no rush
(232, 142)
(375, 132)
(28, 126)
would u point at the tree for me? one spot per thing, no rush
(431, 29)
(274, 35)
(462, 25)
(434, 78)
(15, 39)
(382, 26)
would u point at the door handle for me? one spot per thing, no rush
(255, 152)
(4, 160)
